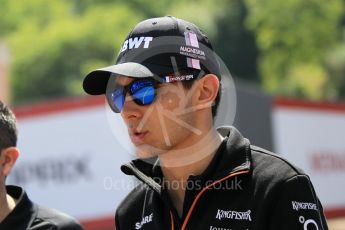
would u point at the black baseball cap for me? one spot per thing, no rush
(157, 47)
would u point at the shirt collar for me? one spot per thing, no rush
(232, 155)
(23, 213)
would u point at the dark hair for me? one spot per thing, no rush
(189, 84)
(8, 127)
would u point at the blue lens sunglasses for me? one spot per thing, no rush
(143, 90)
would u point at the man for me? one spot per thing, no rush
(17, 212)
(166, 86)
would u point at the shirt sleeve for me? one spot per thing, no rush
(116, 219)
(50, 219)
(297, 207)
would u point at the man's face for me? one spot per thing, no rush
(167, 123)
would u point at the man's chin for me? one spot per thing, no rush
(146, 151)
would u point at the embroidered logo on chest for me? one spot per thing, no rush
(233, 215)
(144, 220)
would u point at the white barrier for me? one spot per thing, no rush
(70, 159)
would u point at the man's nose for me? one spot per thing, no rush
(130, 109)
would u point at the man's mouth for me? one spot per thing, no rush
(138, 137)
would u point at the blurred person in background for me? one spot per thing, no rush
(17, 211)
(166, 86)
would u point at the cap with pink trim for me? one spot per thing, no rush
(158, 47)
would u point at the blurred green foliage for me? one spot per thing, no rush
(299, 45)
(291, 47)
(54, 45)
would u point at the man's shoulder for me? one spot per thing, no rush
(130, 209)
(269, 165)
(54, 219)
(133, 198)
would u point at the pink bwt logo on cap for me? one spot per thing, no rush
(192, 40)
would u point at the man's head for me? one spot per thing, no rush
(8, 141)
(166, 79)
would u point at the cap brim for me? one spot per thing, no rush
(95, 83)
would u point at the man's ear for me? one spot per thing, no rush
(208, 89)
(8, 158)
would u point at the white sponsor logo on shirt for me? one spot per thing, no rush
(216, 228)
(307, 223)
(303, 206)
(234, 215)
(144, 220)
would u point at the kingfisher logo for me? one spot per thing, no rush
(303, 206)
(135, 42)
(233, 215)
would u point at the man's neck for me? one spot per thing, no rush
(7, 204)
(178, 165)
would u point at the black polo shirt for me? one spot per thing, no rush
(194, 183)
(243, 187)
(28, 215)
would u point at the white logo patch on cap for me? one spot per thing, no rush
(133, 43)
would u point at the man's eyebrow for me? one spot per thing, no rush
(121, 83)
